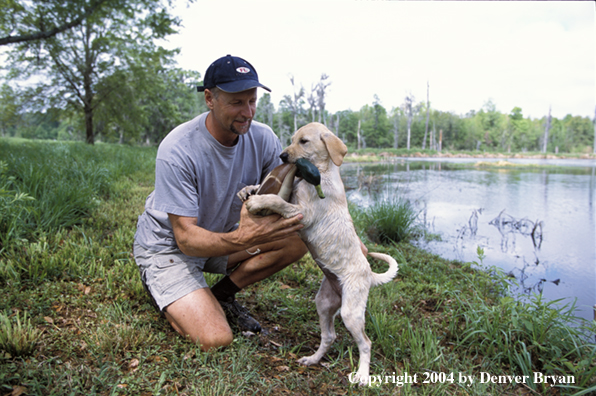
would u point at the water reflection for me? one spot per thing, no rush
(509, 226)
(537, 224)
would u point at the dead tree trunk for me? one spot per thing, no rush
(546, 129)
(358, 134)
(395, 132)
(321, 87)
(312, 103)
(294, 102)
(431, 142)
(408, 105)
(427, 115)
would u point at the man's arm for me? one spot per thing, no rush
(253, 230)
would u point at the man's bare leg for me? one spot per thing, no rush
(199, 314)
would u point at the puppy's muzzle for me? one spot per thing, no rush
(284, 157)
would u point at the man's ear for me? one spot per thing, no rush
(209, 98)
(336, 148)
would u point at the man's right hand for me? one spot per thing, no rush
(262, 229)
(253, 230)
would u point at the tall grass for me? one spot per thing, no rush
(47, 186)
(13, 207)
(390, 221)
(17, 336)
(531, 336)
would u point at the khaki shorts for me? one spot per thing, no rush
(170, 275)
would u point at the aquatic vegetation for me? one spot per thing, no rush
(392, 220)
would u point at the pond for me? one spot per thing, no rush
(535, 220)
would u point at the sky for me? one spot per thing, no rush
(533, 55)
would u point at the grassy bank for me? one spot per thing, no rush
(75, 319)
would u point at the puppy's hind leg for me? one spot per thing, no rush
(328, 303)
(353, 311)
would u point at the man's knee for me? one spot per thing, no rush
(215, 340)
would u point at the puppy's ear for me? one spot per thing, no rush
(336, 148)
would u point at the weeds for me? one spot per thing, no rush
(14, 206)
(47, 186)
(535, 336)
(17, 336)
(390, 221)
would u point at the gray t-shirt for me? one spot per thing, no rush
(196, 176)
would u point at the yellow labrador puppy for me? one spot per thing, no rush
(332, 241)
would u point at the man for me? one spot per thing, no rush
(193, 221)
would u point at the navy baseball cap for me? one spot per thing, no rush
(231, 74)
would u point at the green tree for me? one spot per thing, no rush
(473, 132)
(447, 129)
(493, 124)
(375, 126)
(517, 131)
(559, 140)
(156, 101)
(183, 102)
(347, 129)
(83, 66)
(579, 131)
(294, 103)
(22, 21)
(265, 110)
(284, 121)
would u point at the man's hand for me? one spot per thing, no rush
(261, 229)
(252, 230)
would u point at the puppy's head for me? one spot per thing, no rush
(317, 144)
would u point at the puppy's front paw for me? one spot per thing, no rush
(308, 361)
(255, 203)
(246, 192)
(267, 204)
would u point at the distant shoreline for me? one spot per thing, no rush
(385, 155)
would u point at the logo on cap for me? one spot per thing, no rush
(243, 70)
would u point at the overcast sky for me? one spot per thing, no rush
(527, 54)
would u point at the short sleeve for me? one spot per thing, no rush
(175, 190)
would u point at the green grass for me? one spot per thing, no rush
(49, 186)
(17, 336)
(390, 221)
(74, 294)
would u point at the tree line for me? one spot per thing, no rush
(92, 70)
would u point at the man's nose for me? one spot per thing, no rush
(248, 111)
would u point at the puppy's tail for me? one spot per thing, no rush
(379, 279)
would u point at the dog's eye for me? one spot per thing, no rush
(303, 141)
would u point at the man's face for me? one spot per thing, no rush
(233, 112)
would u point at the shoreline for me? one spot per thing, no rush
(418, 154)
(486, 158)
